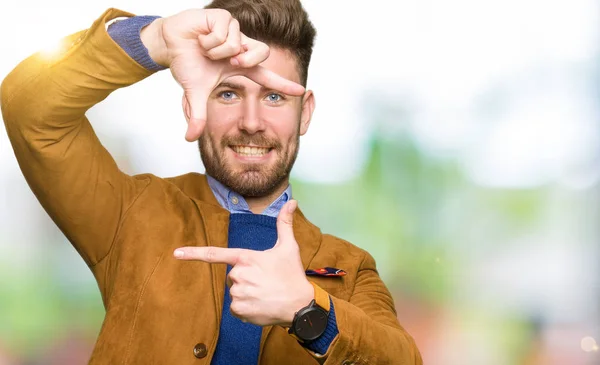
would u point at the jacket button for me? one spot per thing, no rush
(200, 350)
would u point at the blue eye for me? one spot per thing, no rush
(228, 95)
(274, 98)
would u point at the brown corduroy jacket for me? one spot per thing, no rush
(159, 309)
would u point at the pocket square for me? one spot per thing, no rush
(326, 271)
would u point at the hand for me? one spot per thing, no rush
(266, 287)
(202, 47)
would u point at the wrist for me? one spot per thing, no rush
(312, 322)
(152, 38)
(306, 295)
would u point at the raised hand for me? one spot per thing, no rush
(202, 47)
(266, 287)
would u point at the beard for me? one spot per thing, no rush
(250, 179)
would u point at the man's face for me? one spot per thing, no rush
(251, 137)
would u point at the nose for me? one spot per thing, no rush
(251, 120)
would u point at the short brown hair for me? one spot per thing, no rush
(279, 23)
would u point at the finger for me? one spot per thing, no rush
(212, 255)
(231, 47)
(232, 279)
(271, 80)
(255, 52)
(194, 105)
(218, 24)
(285, 222)
(234, 60)
(238, 309)
(187, 112)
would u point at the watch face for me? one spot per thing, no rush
(311, 323)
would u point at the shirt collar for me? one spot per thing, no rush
(235, 203)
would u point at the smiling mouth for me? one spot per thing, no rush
(250, 150)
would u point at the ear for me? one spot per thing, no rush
(308, 107)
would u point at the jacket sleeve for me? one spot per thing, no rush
(44, 101)
(369, 332)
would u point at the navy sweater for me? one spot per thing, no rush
(239, 342)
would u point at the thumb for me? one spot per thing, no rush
(194, 106)
(285, 220)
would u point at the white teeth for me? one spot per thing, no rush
(250, 151)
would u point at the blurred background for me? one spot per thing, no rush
(457, 141)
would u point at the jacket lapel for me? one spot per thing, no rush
(308, 237)
(216, 226)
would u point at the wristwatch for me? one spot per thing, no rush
(310, 322)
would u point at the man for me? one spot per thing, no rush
(219, 268)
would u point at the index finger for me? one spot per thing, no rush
(271, 80)
(212, 255)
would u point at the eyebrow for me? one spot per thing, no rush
(230, 85)
(239, 87)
